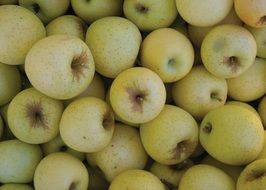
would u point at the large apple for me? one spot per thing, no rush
(137, 95)
(60, 66)
(114, 43)
(168, 53)
(20, 29)
(149, 15)
(46, 10)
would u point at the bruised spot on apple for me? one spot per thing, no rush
(186, 147)
(141, 8)
(232, 62)
(262, 21)
(255, 174)
(136, 97)
(78, 65)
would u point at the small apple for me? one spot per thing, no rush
(46, 10)
(222, 50)
(61, 171)
(168, 53)
(20, 29)
(114, 43)
(14, 186)
(34, 117)
(18, 161)
(60, 66)
(87, 124)
(137, 95)
(69, 25)
(149, 15)
(262, 110)
(171, 137)
(90, 11)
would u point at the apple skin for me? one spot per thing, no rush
(125, 151)
(15, 44)
(64, 62)
(168, 53)
(90, 11)
(46, 10)
(243, 104)
(149, 15)
(34, 117)
(222, 50)
(253, 176)
(262, 110)
(60, 171)
(18, 161)
(199, 92)
(232, 134)
(135, 179)
(94, 124)
(67, 24)
(137, 95)
(12, 186)
(171, 137)
(114, 43)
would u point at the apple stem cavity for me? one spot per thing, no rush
(254, 175)
(137, 98)
(141, 8)
(207, 128)
(108, 120)
(73, 186)
(185, 147)
(171, 62)
(262, 21)
(216, 97)
(79, 64)
(232, 62)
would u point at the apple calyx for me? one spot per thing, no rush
(171, 62)
(262, 21)
(186, 147)
(79, 64)
(137, 98)
(255, 175)
(141, 8)
(108, 120)
(34, 112)
(215, 96)
(207, 128)
(73, 186)
(232, 62)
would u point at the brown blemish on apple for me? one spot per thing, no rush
(207, 128)
(136, 98)
(73, 186)
(79, 64)
(169, 185)
(255, 175)
(34, 112)
(141, 8)
(262, 21)
(232, 62)
(108, 120)
(184, 147)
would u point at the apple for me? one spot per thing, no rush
(135, 179)
(18, 161)
(250, 85)
(232, 134)
(137, 95)
(87, 124)
(114, 43)
(34, 117)
(194, 11)
(12, 186)
(20, 29)
(60, 66)
(61, 171)
(125, 151)
(206, 177)
(253, 176)
(251, 12)
(90, 11)
(171, 137)
(262, 110)
(46, 10)
(222, 50)
(168, 53)
(199, 92)
(10, 82)
(149, 15)
(67, 24)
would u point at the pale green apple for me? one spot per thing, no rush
(170, 175)
(243, 104)
(10, 82)
(90, 11)
(87, 124)
(34, 117)
(206, 177)
(199, 92)
(260, 37)
(136, 179)
(58, 145)
(171, 137)
(60, 171)
(262, 110)
(137, 95)
(195, 12)
(67, 24)
(46, 10)
(97, 181)
(14, 186)
(18, 161)
(60, 66)
(6, 2)
(251, 84)
(114, 43)
(253, 176)
(149, 15)
(168, 53)
(232, 134)
(125, 151)
(20, 29)
(222, 50)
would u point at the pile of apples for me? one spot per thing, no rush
(132, 94)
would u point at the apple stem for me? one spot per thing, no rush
(141, 8)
